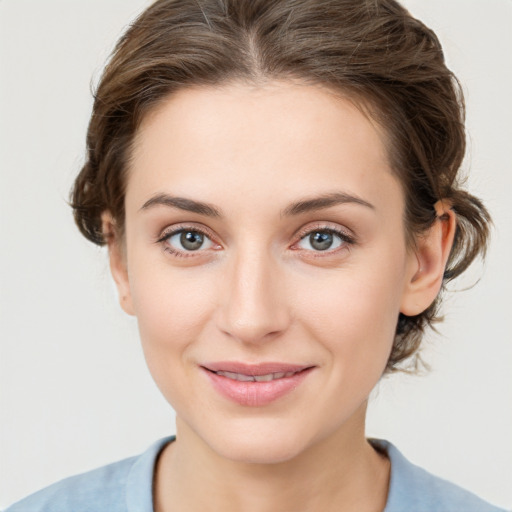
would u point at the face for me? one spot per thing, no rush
(266, 263)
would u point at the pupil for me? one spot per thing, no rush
(191, 240)
(320, 240)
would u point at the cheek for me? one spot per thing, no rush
(172, 309)
(354, 313)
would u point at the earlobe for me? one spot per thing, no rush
(428, 262)
(118, 265)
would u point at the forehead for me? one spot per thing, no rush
(276, 139)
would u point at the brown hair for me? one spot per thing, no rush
(370, 50)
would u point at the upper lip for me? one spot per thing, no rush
(254, 369)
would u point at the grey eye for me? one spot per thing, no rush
(321, 241)
(189, 241)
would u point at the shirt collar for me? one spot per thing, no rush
(139, 483)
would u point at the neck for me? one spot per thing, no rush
(341, 473)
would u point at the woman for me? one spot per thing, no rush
(277, 186)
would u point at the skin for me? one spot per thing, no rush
(261, 292)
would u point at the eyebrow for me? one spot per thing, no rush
(303, 206)
(324, 201)
(182, 203)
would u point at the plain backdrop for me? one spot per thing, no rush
(74, 390)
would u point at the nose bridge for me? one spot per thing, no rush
(254, 305)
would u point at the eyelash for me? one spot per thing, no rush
(346, 239)
(168, 233)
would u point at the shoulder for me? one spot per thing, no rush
(100, 489)
(119, 487)
(413, 488)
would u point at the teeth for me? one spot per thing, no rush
(264, 378)
(237, 376)
(255, 378)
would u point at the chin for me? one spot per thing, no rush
(259, 453)
(257, 446)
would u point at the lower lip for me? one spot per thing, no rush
(256, 394)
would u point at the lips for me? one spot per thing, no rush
(255, 385)
(254, 369)
(267, 377)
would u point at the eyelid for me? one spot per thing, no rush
(170, 231)
(345, 233)
(346, 236)
(176, 228)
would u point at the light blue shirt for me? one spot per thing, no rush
(126, 486)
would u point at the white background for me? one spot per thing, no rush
(74, 390)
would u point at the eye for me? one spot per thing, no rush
(320, 240)
(186, 241)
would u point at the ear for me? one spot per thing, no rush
(117, 257)
(428, 262)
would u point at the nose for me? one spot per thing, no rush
(253, 308)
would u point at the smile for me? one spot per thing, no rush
(255, 385)
(255, 378)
